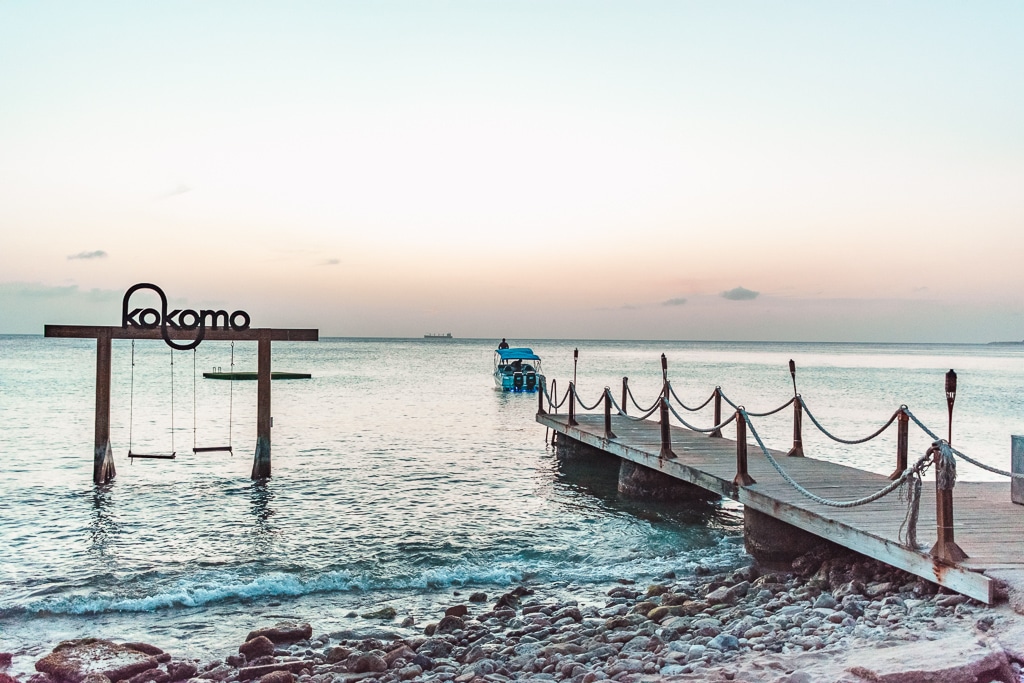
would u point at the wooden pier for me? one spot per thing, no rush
(989, 526)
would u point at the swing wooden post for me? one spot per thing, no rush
(264, 421)
(103, 469)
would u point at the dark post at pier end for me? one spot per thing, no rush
(797, 451)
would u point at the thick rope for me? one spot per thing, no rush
(629, 390)
(881, 493)
(764, 414)
(672, 391)
(698, 429)
(849, 442)
(583, 405)
(635, 418)
(935, 437)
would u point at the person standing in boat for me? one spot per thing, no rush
(503, 344)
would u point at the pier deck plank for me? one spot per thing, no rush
(988, 526)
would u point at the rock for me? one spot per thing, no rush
(568, 613)
(435, 648)
(825, 600)
(423, 662)
(401, 652)
(959, 659)
(4, 678)
(456, 611)
(368, 662)
(181, 671)
(478, 597)
(450, 624)
(338, 654)
(156, 675)
(724, 642)
(284, 632)
(72, 660)
(278, 677)
(250, 672)
(386, 612)
(408, 622)
(721, 595)
(5, 659)
(239, 660)
(951, 600)
(257, 647)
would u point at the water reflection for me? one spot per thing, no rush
(104, 525)
(260, 498)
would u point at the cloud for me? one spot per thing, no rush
(330, 262)
(677, 301)
(88, 255)
(179, 189)
(740, 294)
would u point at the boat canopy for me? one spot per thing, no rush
(517, 354)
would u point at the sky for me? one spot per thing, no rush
(806, 171)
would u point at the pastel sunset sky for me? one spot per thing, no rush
(834, 171)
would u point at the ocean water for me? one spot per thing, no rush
(400, 476)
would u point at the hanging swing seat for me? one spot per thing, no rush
(212, 449)
(154, 456)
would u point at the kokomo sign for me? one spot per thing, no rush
(178, 319)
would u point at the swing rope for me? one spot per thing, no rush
(131, 415)
(131, 402)
(231, 399)
(172, 401)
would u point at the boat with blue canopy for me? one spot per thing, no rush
(517, 370)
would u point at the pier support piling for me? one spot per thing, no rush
(638, 481)
(666, 431)
(772, 543)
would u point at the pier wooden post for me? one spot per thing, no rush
(540, 399)
(261, 460)
(103, 469)
(945, 547)
(666, 431)
(717, 434)
(902, 434)
(742, 477)
(797, 451)
(1017, 467)
(608, 433)
(625, 393)
(572, 404)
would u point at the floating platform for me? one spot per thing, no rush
(253, 375)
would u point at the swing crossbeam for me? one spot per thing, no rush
(103, 462)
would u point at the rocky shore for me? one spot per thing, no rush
(834, 617)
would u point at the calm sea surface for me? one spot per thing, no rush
(400, 476)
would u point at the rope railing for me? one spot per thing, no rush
(850, 442)
(881, 493)
(898, 476)
(683, 405)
